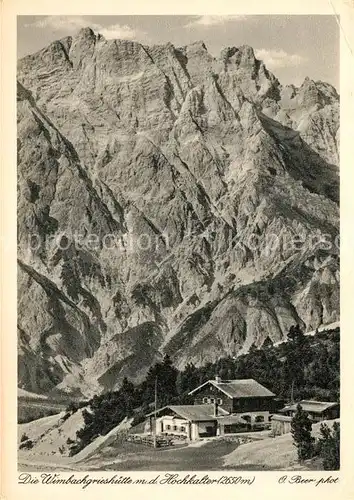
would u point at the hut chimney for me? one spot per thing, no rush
(217, 379)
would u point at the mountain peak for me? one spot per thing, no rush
(86, 33)
(247, 50)
(197, 45)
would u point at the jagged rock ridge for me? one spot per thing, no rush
(160, 192)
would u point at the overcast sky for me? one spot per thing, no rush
(292, 47)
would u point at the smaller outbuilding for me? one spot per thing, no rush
(281, 424)
(317, 410)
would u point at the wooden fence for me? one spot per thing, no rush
(148, 440)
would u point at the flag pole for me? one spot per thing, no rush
(155, 414)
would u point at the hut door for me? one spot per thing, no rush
(210, 430)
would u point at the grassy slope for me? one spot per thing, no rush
(277, 453)
(129, 456)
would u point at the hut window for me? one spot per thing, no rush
(212, 400)
(247, 418)
(259, 418)
(219, 401)
(231, 429)
(205, 400)
(168, 427)
(183, 428)
(175, 427)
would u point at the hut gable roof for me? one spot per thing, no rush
(193, 413)
(311, 406)
(241, 388)
(281, 418)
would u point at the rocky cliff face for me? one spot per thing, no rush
(168, 201)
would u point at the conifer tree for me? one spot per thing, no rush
(267, 343)
(301, 427)
(329, 446)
